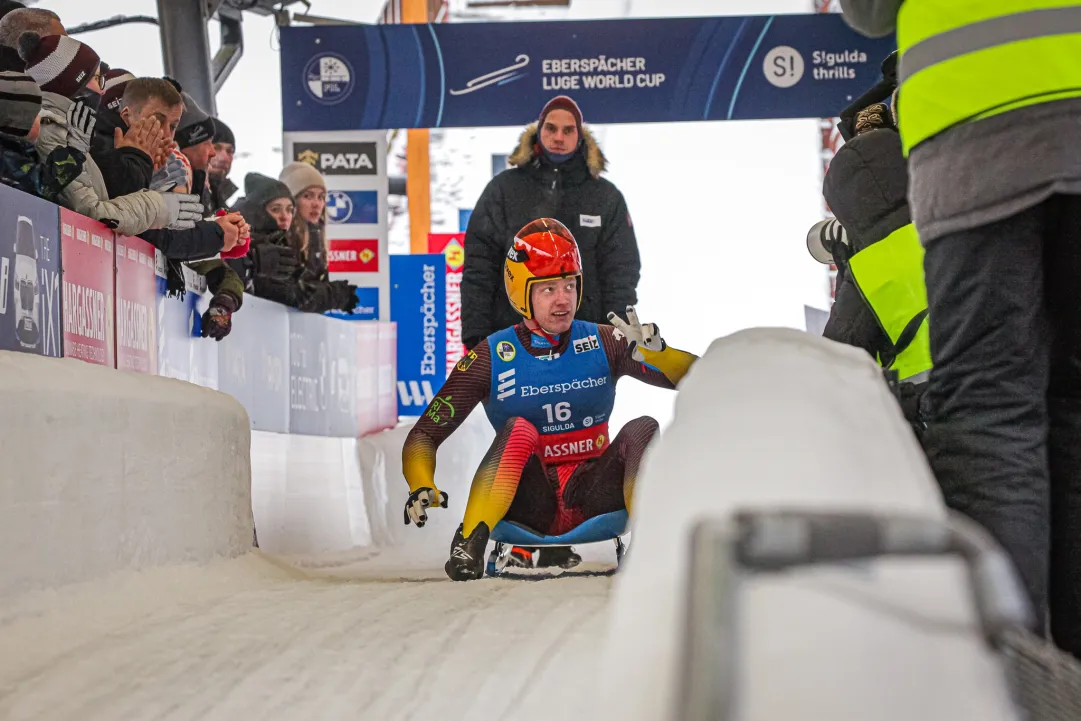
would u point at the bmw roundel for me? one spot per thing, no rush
(339, 206)
(329, 78)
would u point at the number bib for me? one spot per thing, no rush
(568, 398)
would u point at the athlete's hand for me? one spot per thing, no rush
(420, 500)
(639, 336)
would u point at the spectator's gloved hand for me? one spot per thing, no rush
(218, 319)
(345, 296)
(275, 262)
(184, 210)
(81, 121)
(163, 152)
(639, 336)
(169, 176)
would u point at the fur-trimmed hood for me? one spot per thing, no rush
(529, 146)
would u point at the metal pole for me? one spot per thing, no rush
(185, 48)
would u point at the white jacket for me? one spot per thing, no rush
(134, 213)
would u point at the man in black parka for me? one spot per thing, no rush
(556, 173)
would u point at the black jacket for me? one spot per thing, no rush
(125, 170)
(128, 170)
(20, 167)
(866, 188)
(221, 189)
(308, 289)
(572, 193)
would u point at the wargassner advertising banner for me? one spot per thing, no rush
(452, 246)
(619, 71)
(88, 289)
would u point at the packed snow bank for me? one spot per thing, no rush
(778, 418)
(105, 470)
(315, 495)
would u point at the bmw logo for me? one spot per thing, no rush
(329, 78)
(339, 206)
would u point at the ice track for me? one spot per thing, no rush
(253, 638)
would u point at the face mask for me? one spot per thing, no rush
(559, 158)
(89, 98)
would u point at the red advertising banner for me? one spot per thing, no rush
(136, 306)
(353, 256)
(452, 246)
(368, 417)
(86, 263)
(388, 375)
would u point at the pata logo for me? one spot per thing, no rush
(338, 158)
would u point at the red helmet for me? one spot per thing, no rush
(543, 250)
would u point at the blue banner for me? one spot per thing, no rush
(418, 301)
(464, 214)
(253, 363)
(29, 274)
(367, 307)
(352, 207)
(619, 71)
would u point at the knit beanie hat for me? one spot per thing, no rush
(301, 176)
(222, 133)
(195, 125)
(58, 63)
(21, 103)
(562, 102)
(115, 83)
(261, 190)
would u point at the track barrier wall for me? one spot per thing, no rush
(105, 471)
(70, 287)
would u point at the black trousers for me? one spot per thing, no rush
(1004, 399)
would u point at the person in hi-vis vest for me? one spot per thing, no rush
(990, 117)
(880, 304)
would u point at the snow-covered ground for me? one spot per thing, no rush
(253, 638)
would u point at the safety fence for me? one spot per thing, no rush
(71, 287)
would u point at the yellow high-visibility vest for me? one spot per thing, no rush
(963, 60)
(889, 275)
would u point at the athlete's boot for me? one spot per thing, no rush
(557, 557)
(467, 554)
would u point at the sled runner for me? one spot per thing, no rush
(606, 527)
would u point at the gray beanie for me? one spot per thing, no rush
(22, 102)
(195, 125)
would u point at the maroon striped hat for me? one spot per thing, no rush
(60, 64)
(115, 83)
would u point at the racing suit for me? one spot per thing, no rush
(552, 465)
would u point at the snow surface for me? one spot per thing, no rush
(369, 633)
(251, 638)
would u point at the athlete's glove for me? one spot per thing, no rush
(639, 336)
(420, 500)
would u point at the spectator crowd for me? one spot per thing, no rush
(141, 156)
